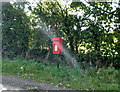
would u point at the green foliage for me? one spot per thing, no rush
(86, 31)
(15, 29)
(97, 39)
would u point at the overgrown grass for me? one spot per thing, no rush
(103, 79)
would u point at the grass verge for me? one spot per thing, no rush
(66, 77)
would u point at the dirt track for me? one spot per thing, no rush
(14, 81)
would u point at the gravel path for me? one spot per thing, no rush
(28, 84)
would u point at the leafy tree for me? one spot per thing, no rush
(16, 30)
(98, 38)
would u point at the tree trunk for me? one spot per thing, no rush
(71, 44)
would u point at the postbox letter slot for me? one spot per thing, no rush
(56, 48)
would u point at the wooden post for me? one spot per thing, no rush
(58, 61)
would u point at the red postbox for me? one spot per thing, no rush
(57, 45)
